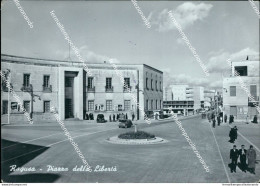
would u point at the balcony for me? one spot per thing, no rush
(253, 103)
(4, 88)
(26, 88)
(91, 89)
(109, 89)
(127, 88)
(47, 88)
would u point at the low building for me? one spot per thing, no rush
(236, 100)
(42, 84)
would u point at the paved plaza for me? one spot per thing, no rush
(43, 145)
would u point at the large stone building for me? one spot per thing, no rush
(42, 83)
(235, 99)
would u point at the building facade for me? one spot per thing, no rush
(178, 96)
(42, 84)
(236, 101)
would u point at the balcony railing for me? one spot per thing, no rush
(254, 102)
(26, 88)
(46, 88)
(109, 89)
(91, 89)
(127, 88)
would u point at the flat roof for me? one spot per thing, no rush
(41, 61)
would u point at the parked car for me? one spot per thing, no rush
(125, 124)
(101, 118)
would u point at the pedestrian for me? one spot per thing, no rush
(114, 117)
(230, 119)
(255, 119)
(225, 118)
(110, 119)
(247, 118)
(233, 134)
(87, 117)
(242, 155)
(251, 157)
(133, 117)
(218, 118)
(214, 123)
(117, 117)
(233, 156)
(126, 117)
(208, 115)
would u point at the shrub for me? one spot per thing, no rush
(136, 135)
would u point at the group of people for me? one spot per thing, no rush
(89, 116)
(233, 134)
(213, 118)
(117, 117)
(114, 117)
(247, 159)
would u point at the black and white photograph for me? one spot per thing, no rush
(129, 91)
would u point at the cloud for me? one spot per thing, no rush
(186, 15)
(191, 81)
(218, 62)
(86, 54)
(93, 57)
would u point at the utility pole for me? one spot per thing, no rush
(137, 87)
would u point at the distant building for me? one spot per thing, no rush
(184, 94)
(235, 99)
(67, 87)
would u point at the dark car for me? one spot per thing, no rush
(101, 118)
(125, 124)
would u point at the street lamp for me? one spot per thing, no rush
(30, 91)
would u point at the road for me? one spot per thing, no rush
(39, 146)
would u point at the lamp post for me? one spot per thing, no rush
(30, 91)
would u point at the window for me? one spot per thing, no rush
(109, 83)
(90, 105)
(127, 105)
(26, 80)
(147, 83)
(46, 80)
(241, 70)
(156, 88)
(160, 104)
(26, 105)
(151, 84)
(119, 107)
(232, 90)
(160, 86)
(46, 106)
(90, 82)
(109, 106)
(126, 83)
(156, 104)
(68, 81)
(147, 104)
(253, 91)
(151, 104)
(5, 107)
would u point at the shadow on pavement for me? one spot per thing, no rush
(16, 149)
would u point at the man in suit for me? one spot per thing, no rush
(233, 156)
(242, 155)
(225, 118)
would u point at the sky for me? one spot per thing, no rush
(103, 30)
